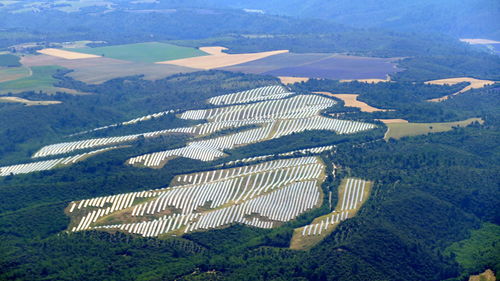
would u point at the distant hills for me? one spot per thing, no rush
(457, 18)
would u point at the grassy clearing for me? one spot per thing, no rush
(480, 251)
(143, 52)
(399, 130)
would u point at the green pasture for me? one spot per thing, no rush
(399, 130)
(143, 52)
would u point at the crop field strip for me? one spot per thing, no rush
(353, 193)
(262, 195)
(47, 164)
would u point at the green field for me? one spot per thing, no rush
(40, 80)
(13, 73)
(399, 130)
(143, 52)
(9, 60)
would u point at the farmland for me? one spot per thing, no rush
(143, 52)
(13, 73)
(65, 54)
(320, 65)
(473, 84)
(219, 59)
(208, 200)
(340, 67)
(351, 100)
(291, 80)
(352, 194)
(40, 80)
(8, 60)
(398, 130)
(101, 69)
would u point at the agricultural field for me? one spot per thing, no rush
(276, 62)
(473, 84)
(340, 67)
(8, 60)
(320, 65)
(218, 59)
(352, 194)
(273, 112)
(397, 130)
(13, 73)
(264, 195)
(102, 69)
(65, 54)
(40, 80)
(351, 100)
(158, 60)
(148, 52)
(287, 80)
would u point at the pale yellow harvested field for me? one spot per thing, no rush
(66, 54)
(351, 100)
(474, 84)
(291, 80)
(392, 121)
(218, 59)
(28, 102)
(213, 50)
(478, 41)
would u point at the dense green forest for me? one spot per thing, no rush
(432, 193)
(469, 18)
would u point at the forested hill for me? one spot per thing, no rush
(458, 18)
